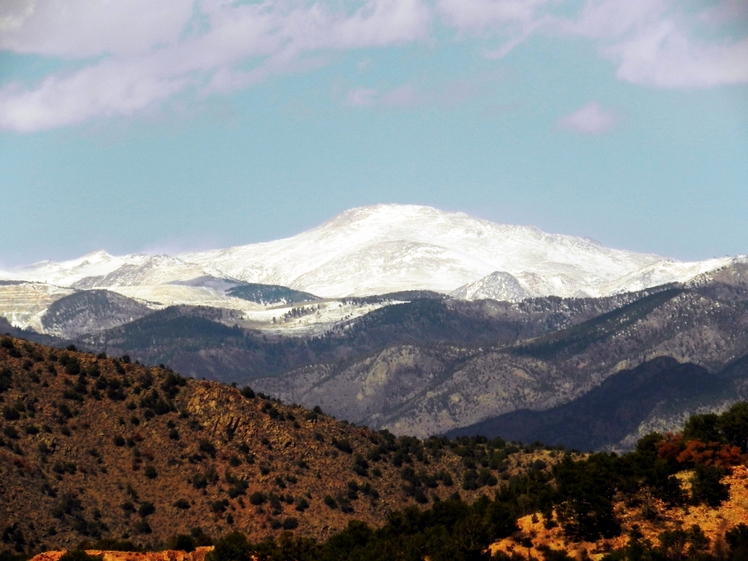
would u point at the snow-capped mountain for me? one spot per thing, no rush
(387, 248)
(376, 250)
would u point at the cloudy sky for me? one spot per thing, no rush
(167, 125)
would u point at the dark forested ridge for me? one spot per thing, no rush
(270, 294)
(423, 388)
(608, 413)
(424, 364)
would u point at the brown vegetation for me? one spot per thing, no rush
(650, 518)
(93, 447)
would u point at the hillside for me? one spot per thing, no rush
(362, 252)
(625, 407)
(677, 497)
(431, 387)
(667, 529)
(202, 341)
(92, 447)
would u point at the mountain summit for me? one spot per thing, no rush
(388, 248)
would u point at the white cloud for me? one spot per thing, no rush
(87, 28)
(132, 54)
(404, 97)
(591, 119)
(155, 49)
(653, 42)
(471, 15)
(362, 97)
(664, 57)
(14, 12)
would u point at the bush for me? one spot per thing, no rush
(290, 523)
(80, 555)
(219, 506)
(182, 504)
(737, 538)
(181, 542)
(233, 547)
(706, 486)
(146, 509)
(257, 498)
(110, 544)
(150, 472)
(10, 414)
(342, 445)
(248, 392)
(205, 446)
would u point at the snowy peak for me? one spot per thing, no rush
(499, 285)
(382, 248)
(389, 248)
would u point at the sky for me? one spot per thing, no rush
(162, 126)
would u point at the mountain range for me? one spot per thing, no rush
(412, 319)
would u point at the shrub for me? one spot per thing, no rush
(342, 445)
(6, 379)
(248, 392)
(10, 414)
(111, 544)
(257, 498)
(182, 504)
(233, 547)
(706, 487)
(302, 504)
(290, 523)
(127, 507)
(181, 542)
(219, 506)
(204, 445)
(146, 509)
(80, 555)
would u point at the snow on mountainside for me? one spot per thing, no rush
(387, 248)
(381, 249)
(499, 285)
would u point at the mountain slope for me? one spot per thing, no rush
(96, 447)
(386, 248)
(420, 388)
(90, 311)
(218, 344)
(390, 248)
(613, 414)
(367, 251)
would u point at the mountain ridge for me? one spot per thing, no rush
(390, 248)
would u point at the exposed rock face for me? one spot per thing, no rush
(169, 555)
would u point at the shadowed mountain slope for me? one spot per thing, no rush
(617, 408)
(420, 388)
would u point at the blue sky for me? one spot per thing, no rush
(163, 126)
